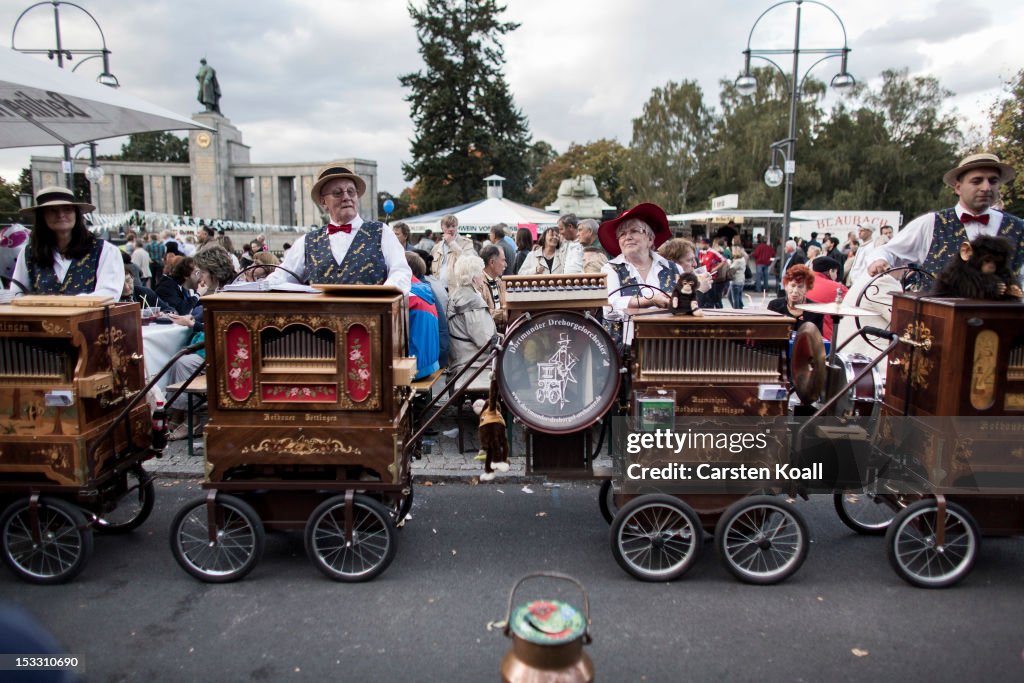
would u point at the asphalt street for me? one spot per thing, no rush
(134, 615)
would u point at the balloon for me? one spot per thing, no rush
(389, 206)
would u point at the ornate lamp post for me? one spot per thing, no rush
(747, 85)
(94, 174)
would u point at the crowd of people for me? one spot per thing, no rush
(456, 303)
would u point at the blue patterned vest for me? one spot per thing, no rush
(363, 263)
(666, 281)
(80, 278)
(950, 234)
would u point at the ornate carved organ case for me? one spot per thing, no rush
(959, 376)
(306, 379)
(66, 372)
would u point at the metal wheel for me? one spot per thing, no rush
(134, 506)
(865, 513)
(656, 537)
(237, 545)
(915, 554)
(372, 545)
(50, 544)
(762, 539)
(606, 501)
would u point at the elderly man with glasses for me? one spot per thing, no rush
(348, 250)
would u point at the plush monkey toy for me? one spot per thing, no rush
(981, 272)
(492, 433)
(684, 296)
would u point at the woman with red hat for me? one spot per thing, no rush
(632, 239)
(62, 256)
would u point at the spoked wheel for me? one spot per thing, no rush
(656, 537)
(372, 544)
(762, 540)
(606, 501)
(237, 544)
(50, 544)
(865, 513)
(914, 551)
(133, 508)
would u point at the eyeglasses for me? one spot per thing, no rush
(339, 193)
(631, 231)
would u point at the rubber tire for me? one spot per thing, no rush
(72, 522)
(639, 511)
(606, 501)
(148, 489)
(840, 502)
(897, 535)
(370, 519)
(242, 513)
(726, 535)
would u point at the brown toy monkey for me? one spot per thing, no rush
(684, 296)
(982, 272)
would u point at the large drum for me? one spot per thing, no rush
(558, 371)
(865, 397)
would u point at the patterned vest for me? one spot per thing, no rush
(363, 263)
(950, 234)
(80, 278)
(666, 281)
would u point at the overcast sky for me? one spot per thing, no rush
(314, 80)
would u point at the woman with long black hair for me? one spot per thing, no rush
(62, 256)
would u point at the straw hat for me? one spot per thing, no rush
(651, 214)
(330, 172)
(55, 195)
(1006, 172)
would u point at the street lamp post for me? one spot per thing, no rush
(60, 53)
(747, 85)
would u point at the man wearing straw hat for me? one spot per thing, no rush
(348, 250)
(934, 238)
(62, 256)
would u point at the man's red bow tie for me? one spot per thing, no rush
(331, 228)
(968, 218)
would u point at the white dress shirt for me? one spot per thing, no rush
(109, 272)
(913, 242)
(399, 273)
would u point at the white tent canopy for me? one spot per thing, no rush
(42, 104)
(481, 215)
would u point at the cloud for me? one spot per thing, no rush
(310, 80)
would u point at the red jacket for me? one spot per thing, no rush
(824, 292)
(763, 254)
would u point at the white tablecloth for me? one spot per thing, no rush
(159, 344)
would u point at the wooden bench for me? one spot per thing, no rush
(197, 387)
(425, 385)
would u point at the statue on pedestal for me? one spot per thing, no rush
(209, 88)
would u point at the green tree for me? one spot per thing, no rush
(539, 155)
(1008, 140)
(467, 126)
(889, 153)
(9, 202)
(603, 159)
(670, 139)
(161, 146)
(740, 148)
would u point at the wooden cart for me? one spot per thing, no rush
(73, 431)
(309, 418)
(712, 368)
(953, 402)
